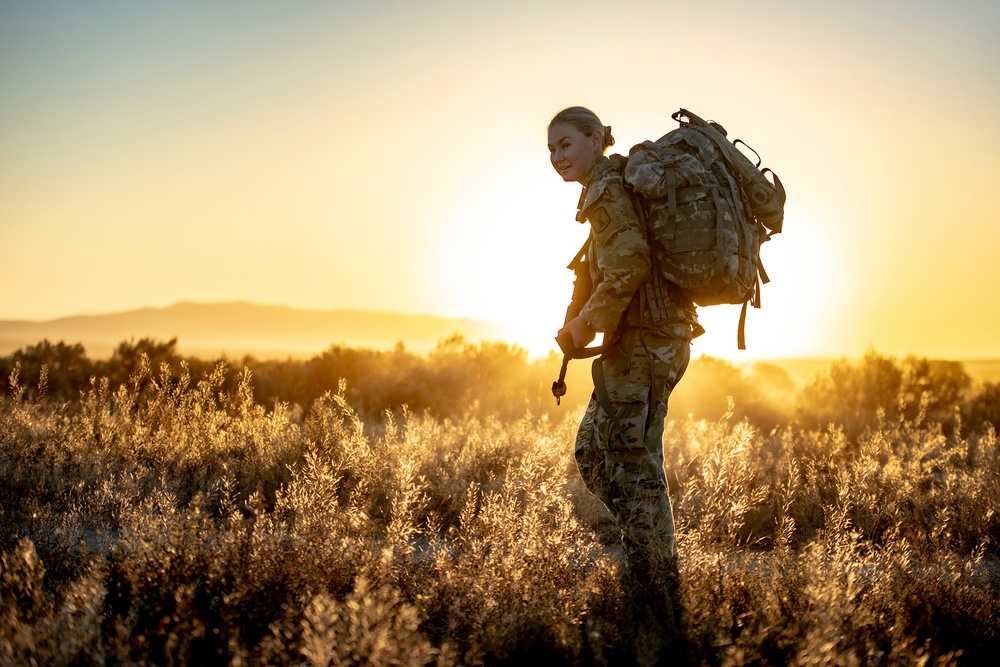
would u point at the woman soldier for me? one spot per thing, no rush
(648, 325)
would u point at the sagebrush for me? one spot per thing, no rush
(166, 519)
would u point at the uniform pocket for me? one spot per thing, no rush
(630, 403)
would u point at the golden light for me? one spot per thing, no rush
(809, 284)
(503, 250)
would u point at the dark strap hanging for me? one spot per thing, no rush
(604, 399)
(570, 351)
(559, 386)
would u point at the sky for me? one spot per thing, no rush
(392, 156)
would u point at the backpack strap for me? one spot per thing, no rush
(741, 339)
(672, 202)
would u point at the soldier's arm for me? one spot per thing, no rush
(622, 255)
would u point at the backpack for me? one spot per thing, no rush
(707, 209)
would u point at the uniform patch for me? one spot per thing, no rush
(599, 219)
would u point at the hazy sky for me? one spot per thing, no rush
(391, 156)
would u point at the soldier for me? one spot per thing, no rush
(648, 325)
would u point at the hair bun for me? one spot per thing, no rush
(608, 139)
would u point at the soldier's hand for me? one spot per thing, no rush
(580, 330)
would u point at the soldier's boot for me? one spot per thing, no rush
(652, 590)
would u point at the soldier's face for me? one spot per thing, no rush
(572, 152)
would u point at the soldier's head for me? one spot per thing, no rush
(576, 139)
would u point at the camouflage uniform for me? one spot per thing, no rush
(651, 324)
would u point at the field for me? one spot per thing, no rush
(170, 514)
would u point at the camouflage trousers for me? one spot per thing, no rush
(640, 372)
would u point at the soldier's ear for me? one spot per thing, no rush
(597, 141)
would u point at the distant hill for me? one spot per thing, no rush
(209, 329)
(804, 371)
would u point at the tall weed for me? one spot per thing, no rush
(170, 521)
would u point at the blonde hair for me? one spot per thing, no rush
(585, 121)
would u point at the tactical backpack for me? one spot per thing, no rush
(707, 209)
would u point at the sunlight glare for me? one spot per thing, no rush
(806, 265)
(503, 252)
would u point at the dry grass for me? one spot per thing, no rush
(168, 522)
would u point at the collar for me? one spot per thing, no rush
(600, 166)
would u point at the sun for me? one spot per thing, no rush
(503, 250)
(502, 254)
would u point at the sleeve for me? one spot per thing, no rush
(621, 253)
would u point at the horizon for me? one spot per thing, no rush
(240, 302)
(391, 157)
(185, 346)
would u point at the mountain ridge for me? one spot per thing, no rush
(241, 327)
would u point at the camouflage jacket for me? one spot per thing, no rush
(619, 259)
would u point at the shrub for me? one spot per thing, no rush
(168, 520)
